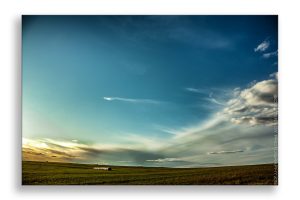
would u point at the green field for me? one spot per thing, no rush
(46, 173)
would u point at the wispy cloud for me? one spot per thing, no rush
(262, 46)
(225, 152)
(151, 28)
(164, 160)
(215, 101)
(129, 100)
(165, 129)
(137, 141)
(215, 95)
(197, 90)
(241, 132)
(271, 54)
(245, 122)
(65, 151)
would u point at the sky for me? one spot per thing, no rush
(171, 91)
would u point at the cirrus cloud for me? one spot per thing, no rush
(270, 54)
(149, 101)
(262, 46)
(225, 152)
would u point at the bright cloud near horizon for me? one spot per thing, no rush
(171, 91)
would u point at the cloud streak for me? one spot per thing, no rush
(271, 54)
(210, 92)
(262, 46)
(129, 100)
(165, 160)
(197, 90)
(225, 152)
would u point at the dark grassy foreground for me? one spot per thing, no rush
(46, 173)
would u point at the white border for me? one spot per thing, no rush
(289, 97)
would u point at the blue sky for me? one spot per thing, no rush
(108, 88)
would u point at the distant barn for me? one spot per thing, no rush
(103, 168)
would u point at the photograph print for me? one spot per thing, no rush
(149, 99)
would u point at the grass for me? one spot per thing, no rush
(50, 173)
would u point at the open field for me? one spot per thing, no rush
(47, 173)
